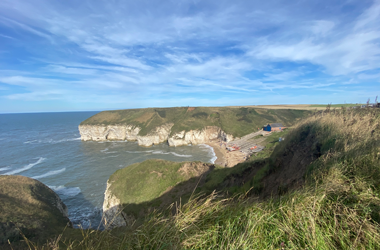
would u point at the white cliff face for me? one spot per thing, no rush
(156, 136)
(197, 137)
(112, 211)
(109, 132)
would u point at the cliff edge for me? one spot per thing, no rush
(140, 188)
(29, 207)
(182, 126)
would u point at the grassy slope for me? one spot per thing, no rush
(154, 184)
(235, 121)
(27, 203)
(337, 206)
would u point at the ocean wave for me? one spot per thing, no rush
(27, 142)
(139, 152)
(51, 141)
(159, 152)
(86, 217)
(50, 173)
(112, 156)
(109, 156)
(5, 168)
(179, 155)
(111, 152)
(211, 152)
(29, 166)
(66, 191)
(65, 140)
(104, 150)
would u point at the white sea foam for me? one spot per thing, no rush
(50, 173)
(104, 150)
(65, 140)
(111, 152)
(179, 155)
(5, 168)
(29, 166)
(211, 152)
(66, 191)
(51, 141)
(34, 141)
(139, 152)
(159, 152)
(113, 156)
(82, 218)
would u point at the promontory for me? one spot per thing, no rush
(182, 125)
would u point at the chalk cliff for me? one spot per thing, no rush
(112, 211)
(108, 132)
(157, 135)
(198, 136)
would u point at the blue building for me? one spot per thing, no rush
(273, 127)
(267, 128)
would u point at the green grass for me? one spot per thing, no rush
(154, 184)
(27, 206)
(336, 207)
(235, 121)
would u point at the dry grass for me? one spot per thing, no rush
(337, 208)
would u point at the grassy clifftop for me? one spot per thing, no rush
(153, 184)
(235, 121)
(29, 207)
(318, 189)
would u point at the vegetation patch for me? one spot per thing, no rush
(235, 121)
(153, 184)
(28, 208)
(318, 189)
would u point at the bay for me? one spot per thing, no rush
(47, 147)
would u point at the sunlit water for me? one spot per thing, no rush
(47, 147)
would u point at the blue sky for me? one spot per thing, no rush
(97, 55)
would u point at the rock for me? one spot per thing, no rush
(197, 137)
(156, 136)
(108, 132)
(31, 207)
(112, 210)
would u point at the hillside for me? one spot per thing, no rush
(151, 185)
(235, 121)
(29, 207)
(317, 189)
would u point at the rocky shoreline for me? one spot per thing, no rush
(156, 136)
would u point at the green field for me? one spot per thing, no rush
(346, 105)
(235, 121)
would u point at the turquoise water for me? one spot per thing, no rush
(47, 147)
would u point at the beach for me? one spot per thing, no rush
(225, 157)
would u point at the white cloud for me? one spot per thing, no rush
(141, 48)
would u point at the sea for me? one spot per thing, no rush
(47, 147)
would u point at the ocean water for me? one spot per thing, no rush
(47, 147)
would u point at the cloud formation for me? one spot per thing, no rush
(127, 54)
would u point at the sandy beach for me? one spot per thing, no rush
(225, 157)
